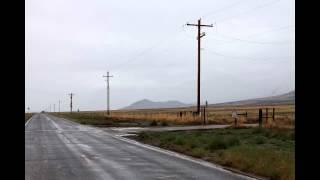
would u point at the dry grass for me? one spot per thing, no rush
(284, 116)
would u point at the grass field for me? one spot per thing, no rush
(284, 116)
(27, 116)
(265, 152)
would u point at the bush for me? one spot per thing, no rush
(179, 141)
(216, 144)
(164, 123)
(153, 123)
(260, 140)
(232, 141)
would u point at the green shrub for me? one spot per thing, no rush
(260, 140)
(232, 141)
(164, 123)
(216, 144)
(153, 123)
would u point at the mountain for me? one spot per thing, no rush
(287, 98)
(147, 104)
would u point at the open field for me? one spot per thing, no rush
(265, 152)
(284, 116)
(27, 116)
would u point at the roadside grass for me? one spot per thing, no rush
(265, 152)
(102, 120)
(27, 116)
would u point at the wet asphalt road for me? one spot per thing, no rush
(56, 148)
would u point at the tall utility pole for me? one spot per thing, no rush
(200, 35)
(108, 93)
(54, 107)
(59, 105)
(71, 95)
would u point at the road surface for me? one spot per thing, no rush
(56, 148)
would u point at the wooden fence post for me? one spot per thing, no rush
(260, 118)
(273, 114)
(267, 115)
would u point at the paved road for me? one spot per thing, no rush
(59, 149)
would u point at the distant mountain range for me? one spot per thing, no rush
(147, 104)
(287, 98)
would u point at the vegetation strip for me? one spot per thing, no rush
(27, 116)
(264, 152)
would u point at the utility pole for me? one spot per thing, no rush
(54, 107)
(200, 35)
(71, 95)
(108, 93)
(59, 105)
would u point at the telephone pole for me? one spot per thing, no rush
(200, 35)
(54, 107)
(71, 95)
(59, 105)
(108, 93)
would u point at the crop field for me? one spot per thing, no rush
(284, 116)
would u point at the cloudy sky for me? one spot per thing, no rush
(146, 46)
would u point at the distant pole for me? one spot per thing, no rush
(108, 93)
(199, 25)
(59, 105)
(54, 107)
(71, 95)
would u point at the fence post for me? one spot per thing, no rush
(260, 118)
(273, 114)
(204, 115)
(267, 115)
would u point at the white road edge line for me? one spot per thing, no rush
(25, 125)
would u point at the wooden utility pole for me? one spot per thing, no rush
(108, 93)
(71, 95)
(59, 105)
(199, 36)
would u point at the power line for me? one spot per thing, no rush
(145, 51)
(253, 42)
(222, 9)
(252, 9)
(242, 57)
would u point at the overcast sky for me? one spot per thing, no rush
(146, 46)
